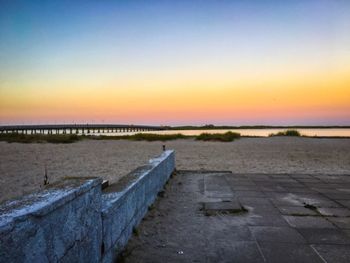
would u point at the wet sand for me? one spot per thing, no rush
(22, 166)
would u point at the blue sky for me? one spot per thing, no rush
(50, 45)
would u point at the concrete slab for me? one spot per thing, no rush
(266, 220)
(229, 234)
(308, 222)
(296, 190)
(305, 176)
(276, 234)
(256, 209)
(240, 251)
(255, 201)
(289, 253)
(334, 253)
(286, 200)
(307, 180)
(338, 195)
(338, 212)
(297, 211)
(275, 188)
(325, 236)
(244, 188)
(241, 183)
(227, 207)
(341, 222)
(249, 194)
(347, 232)
(345, 203)
(275, 228)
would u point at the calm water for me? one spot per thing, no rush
(254, 132)
(329, 132)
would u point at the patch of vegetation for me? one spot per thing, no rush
(221, 137)
(229, 136)
(173, 174)
(161, 193)
(135, 231)
(39, 138)
(224, 137)
(151, 207)
(143, 137)
(295, 133)
(157, 137)
(122, 256)
(70, 138)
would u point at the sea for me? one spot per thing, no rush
(324, 132)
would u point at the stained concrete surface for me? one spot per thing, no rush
(289, 218)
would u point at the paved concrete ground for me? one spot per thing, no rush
(224, 217)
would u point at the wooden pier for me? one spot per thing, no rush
(76, 128)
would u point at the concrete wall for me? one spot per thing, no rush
(74, 221)
(126, 202)
(61, 223)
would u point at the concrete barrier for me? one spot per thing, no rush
(126, 202)
(62, 223)
(74, 221)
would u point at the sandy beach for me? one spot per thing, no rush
(22, 166)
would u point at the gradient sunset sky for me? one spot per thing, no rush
(175, 62)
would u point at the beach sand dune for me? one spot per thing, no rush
(22, 166)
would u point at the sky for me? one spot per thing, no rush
(175, 62)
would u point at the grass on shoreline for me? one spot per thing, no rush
(39, 138)
(225, 137)
(71, 138)
(150, 137)
(294, 133)
(220, 137)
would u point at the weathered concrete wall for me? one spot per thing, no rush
(73, 221)
(126, 202)
(60, 224)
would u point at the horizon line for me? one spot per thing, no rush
(204, 126)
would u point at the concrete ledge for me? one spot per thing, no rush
(74, 221)
(43, 202)
(60, 223)
(126, 202)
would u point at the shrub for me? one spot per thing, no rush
(157, 137)
(295, 133)
(221, 137)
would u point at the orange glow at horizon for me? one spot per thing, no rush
(165, 101)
